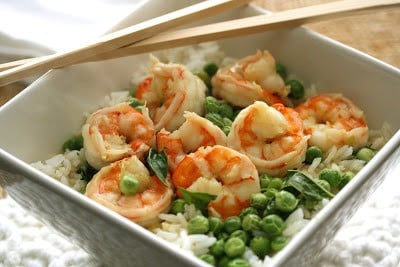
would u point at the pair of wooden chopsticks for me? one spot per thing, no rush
(152, 35)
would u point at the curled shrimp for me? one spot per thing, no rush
(219, 171)
(271, 136)
(333, 120)
(169, 91)
(195, 132)
(143, 207)
(249, 79)
(113, 133)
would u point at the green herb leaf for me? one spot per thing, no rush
(158, 163)
(306, 186)
(198, 199)
(87, 172)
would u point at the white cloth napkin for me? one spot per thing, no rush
(58, 24)
(39, 27)
(31, 28)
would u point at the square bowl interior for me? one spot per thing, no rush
(37, 122)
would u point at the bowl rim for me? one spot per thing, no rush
(306, 233)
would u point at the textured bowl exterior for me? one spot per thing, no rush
(33, 129)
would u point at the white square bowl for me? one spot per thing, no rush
(37, 121)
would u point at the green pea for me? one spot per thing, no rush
(258, 201)
(223, 261)
(324, 184)
(270, 193)
(198, 225)
(210, 259)
(261, 246)
(281, 70)
(332, 176)
(227, 121)
(74, 143)
(217, 249)
(129, 185)
(215, 118)
(136, 102)
(285, 201)
(226, 129)
(275, 183)
(264, 181)
(251, 222)
(279, 243)
(246, 211)
(234, 247)
(346, 178)
(223, 123)
(365, 154)
(241, 234)
(211, 68)
(272, 224)
(296, 89)
(211, 105)
(312, 153)
(222, 236)
(139, 108)
(225, 110)
(238, 262)
(215, 224)
(232, 224)
(178, 206)
(204, 77)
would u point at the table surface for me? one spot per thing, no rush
(375, 33)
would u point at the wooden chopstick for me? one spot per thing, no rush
(120, 38)
(250, 25)
(245, 26)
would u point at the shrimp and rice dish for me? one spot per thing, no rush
(225, 158)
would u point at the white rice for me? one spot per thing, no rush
(173, 229)
(65, 167)
(115, 98)
(379, 137)
(253, 259)
(335, 158)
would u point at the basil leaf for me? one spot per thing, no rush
(198, 199)
(306, 186)
(87, 172)
(158, 163)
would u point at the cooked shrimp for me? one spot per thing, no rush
(142, 207)
(271, 136)
(249, 79)
(113, 133)
(195, 132)
(333, 120)
(169, 91)
(220, 171)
